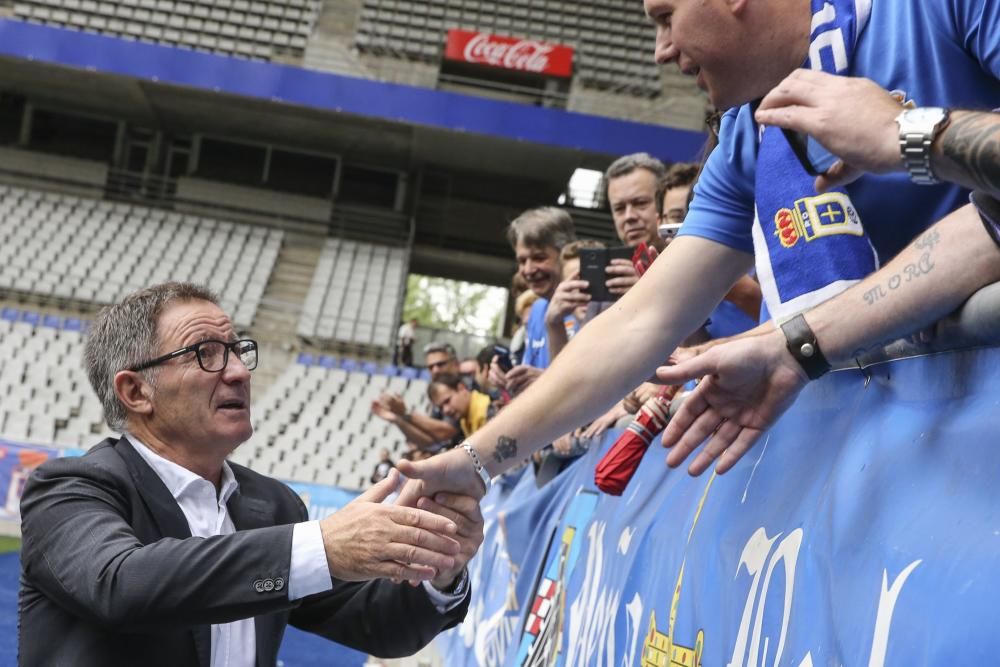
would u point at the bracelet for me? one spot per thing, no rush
(802, 344)
(478, 465)
(989, 211)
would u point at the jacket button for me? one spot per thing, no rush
(259, 585)
(279, 583)
(269, 585)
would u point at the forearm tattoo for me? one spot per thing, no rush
(506, 449)
(910, 272)
(972, 144)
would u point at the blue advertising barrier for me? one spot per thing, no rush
(864, 529)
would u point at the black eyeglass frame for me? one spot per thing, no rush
(227, 348)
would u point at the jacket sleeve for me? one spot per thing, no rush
(80, 551)
(378, 617)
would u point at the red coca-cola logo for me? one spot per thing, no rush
(526, 55)
(509, 53)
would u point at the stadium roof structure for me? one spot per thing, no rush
(499, 157)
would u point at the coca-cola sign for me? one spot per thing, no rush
(526, 55)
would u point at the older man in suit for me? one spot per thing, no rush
(152, 549)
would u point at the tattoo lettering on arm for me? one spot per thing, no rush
(506, 449)
(923, 266)
(972, 144)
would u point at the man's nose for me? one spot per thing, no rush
(664, 51)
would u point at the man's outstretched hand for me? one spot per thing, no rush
(450, 472)
(746, 384)
(367, 540)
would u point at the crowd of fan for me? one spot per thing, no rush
(552, 302)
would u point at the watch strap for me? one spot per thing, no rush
(801, 343)
(915, 148)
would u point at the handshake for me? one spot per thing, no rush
(431, 540)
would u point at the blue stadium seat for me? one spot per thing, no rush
(349, 364)
(326, 361)
(51, 321)
(72, 324)
(390, 370)
(9, 314)
(409, 373)
(425, 374)
(305, 359)
(31, 317)
(369, 367)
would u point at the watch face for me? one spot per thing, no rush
(921, 119)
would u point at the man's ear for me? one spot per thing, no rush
(134, 392)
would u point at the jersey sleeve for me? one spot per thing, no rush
(978, 23)
(723, 206)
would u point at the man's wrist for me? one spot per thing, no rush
(801, 343)
(477, 465)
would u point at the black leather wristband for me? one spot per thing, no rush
(801, 343)
(989, 210)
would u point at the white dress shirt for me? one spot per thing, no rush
(235, 644)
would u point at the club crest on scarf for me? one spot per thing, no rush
(809, 246)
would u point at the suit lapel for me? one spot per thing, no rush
(169, 519)
(249, 509)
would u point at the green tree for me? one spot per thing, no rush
(453, 305)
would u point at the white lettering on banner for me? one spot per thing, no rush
(756, 554)
(883, 620)
(526, 55)
(632, 621)
(592, 613)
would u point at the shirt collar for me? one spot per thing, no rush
(176, 477)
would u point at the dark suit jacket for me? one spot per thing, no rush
(110, 574)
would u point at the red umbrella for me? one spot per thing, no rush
(620, 463)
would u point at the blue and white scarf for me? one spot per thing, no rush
(809, 247)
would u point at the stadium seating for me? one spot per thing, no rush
(355, 293)
(45, 396)
(259, 30)
(613, 39)
(314, 424)
(67, 247)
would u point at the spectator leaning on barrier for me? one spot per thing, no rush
(537, 236)
(471, 408)
(151, 549)
(568, 309)
(753, 184)
(432, 432)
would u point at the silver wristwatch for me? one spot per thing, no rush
(917, 130)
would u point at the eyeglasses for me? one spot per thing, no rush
(438, 364)
(212, 355)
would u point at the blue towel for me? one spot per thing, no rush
(809, 247)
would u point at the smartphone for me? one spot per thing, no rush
(593, 265)
(504, 360)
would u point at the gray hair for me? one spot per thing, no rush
(626, 164)
(124, 335)
(547, 226)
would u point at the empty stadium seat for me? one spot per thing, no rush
(45, 397)
(356, 294)
(314, 424)
(70, 247)
(284, 25)
(611, 39)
